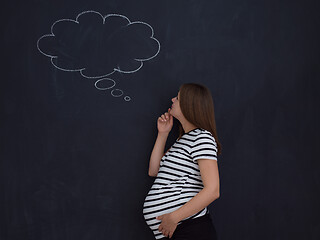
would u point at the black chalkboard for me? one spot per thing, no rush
(79, 112)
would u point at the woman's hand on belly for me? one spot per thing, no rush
(168, 224)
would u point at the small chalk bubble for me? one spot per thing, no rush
(105, 82)
(127, 98)
(115, 93)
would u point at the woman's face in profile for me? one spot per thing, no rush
(175, 108)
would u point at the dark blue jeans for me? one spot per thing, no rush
(200, 228)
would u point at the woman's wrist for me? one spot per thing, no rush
(165, 134)
(175, 217)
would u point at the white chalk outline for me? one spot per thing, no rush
(116, 95)
(102, 79)
(127, 98)
(104, 19)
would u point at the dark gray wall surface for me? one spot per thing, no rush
(74, 159)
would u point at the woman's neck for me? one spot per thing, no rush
(187, 126)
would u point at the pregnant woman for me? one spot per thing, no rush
(187, 176)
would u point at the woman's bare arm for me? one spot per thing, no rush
(157, 153)
(164, 124)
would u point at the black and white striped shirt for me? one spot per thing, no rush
(179, 178)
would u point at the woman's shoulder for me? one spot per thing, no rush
(195, 134)
(204, 133)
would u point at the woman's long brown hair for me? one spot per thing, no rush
(197, 107)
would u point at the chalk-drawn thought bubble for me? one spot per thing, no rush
(98, 46)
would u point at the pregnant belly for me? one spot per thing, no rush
(166, 198)
(162, 201)
(159, 202)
